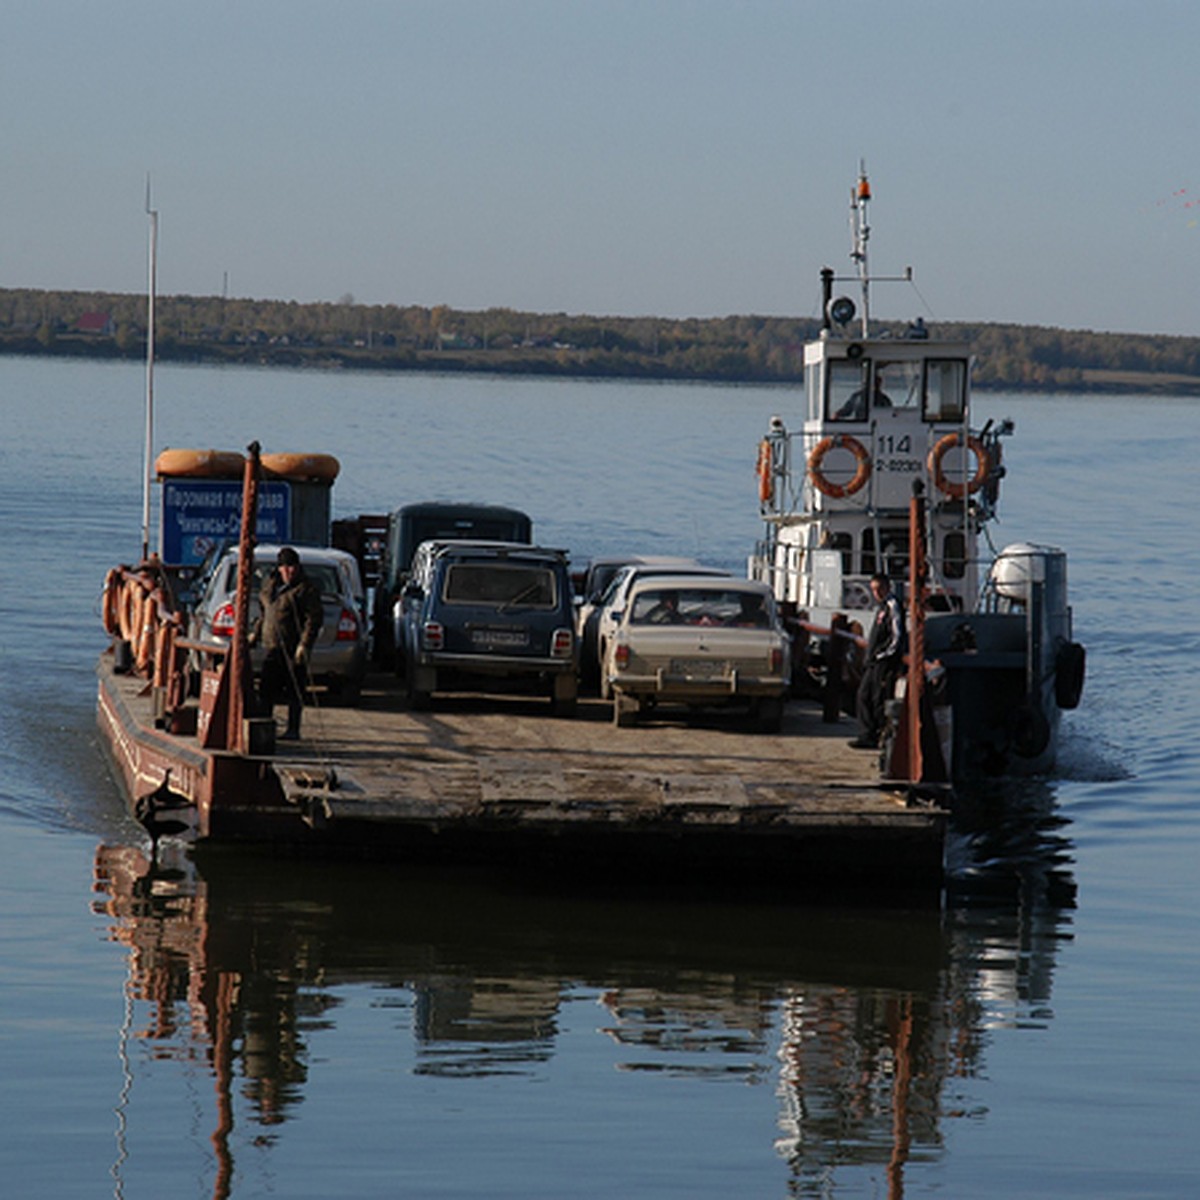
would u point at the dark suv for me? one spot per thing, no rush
(489, 614)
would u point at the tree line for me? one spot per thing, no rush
(751, 349)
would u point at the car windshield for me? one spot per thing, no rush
(500, 584)
(700, 606)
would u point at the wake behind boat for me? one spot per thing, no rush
(888, 475)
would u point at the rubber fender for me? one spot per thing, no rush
(1069, 670)
(1030, 731)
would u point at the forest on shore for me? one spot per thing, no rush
(736, 349)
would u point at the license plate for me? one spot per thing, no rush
(697, 668)
(500, 639)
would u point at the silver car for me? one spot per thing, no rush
(339, 658)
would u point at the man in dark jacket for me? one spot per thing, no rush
(292, 616)
(885, 655)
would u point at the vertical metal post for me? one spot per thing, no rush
(918, 576)
(151, 289)
(239, 650)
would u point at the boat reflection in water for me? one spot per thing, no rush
(868, 1025)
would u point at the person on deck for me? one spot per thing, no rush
(885, 653)
(292, 616)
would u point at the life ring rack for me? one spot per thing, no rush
(954, 488)
(816, 459)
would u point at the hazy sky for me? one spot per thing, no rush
(1033, 161)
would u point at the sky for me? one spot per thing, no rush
(1033, 162)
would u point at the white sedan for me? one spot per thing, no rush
(597, 630)
(684, 639)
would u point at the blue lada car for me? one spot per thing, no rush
(487, 616)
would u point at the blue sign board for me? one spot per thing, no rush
(198, 514)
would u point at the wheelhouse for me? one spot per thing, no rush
(883, 411)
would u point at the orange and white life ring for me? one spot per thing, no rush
(957, 488)
(201, 464)
(320, 468)
(817, 458)
(766, 477)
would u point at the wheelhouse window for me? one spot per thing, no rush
(945, 389)
(812, 390)
(846, 392)
(897, 385)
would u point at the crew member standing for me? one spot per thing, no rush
(885, 655)
(292, 616)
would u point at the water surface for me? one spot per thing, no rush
(240, 1027)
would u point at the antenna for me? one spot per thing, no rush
(150, 298)
(860, 197)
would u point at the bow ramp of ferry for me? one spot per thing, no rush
(500, 782)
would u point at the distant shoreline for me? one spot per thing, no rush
(728, 350)
(1094, 382)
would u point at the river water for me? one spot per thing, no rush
(238, 1027)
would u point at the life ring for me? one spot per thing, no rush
(320, 468)
(201, 464)
(148, 632)
(839, 490)
(127, 612)
(111, 604)
(956, 489)
(766, 479)
(164, 652)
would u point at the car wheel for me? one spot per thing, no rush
(770, 715)
(625, 710)
(603, 686)
(422, 681)
(589, 673)
(564, 692)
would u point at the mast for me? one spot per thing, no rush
(149, 447)
(860, 197)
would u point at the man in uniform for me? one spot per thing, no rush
(885, 654)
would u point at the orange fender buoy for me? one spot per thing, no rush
(201, 464)
(320, 468)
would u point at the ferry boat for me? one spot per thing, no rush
(887, 474)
